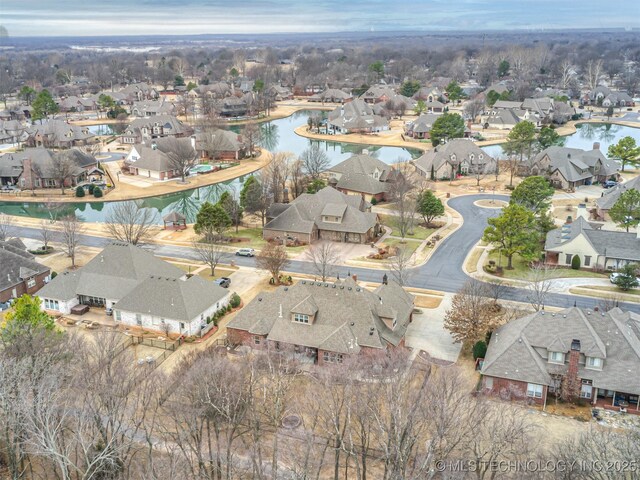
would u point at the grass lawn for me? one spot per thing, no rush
(252, 238)
(521, 269)
(419, 233)
(472, 262)
(220, 272)
(633, 291)
(410, 246)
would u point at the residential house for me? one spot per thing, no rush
(108, 278)
(420, 127)
(58, 134)
(279, 93)
(611, 196)
(220, 145)
(542, 353)
(456, 157)
(394, 103)
(234, 106)
(324, 322)
(605, 97)
(378, 94)
(326, 215)
(139, 92)
(356, 117)
(331, 95)
(429, 94)
(152, 162)
(217, 90)
(434, 106)
(19, 272)
(362, 175)
(151, 108)
(35, 168)
(596, 248)
(76, 104)
(173, 305)
(12, 132)
(568, 168)
(505, 118)
(145, 129)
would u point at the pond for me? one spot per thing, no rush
(103, 129)
(278, 135)
(586, 135)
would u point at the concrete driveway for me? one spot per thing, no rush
(344, 251)
(427, 333)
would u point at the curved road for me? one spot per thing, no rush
(443, 272)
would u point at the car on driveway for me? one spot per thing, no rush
(609, 184)
(224, 282)
(246, 252)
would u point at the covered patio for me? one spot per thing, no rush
(174, 221)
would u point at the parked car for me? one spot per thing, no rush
(224, 282)
(246, 252)
(609, 184)
(614, 276)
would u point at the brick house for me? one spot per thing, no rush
(323, 322)
(19, 272)
(592, 355)
(362, 175)
(158, 126)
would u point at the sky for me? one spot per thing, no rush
(180, 17)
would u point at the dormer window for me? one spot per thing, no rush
(556, 357)
(594, 363)
(300, 318)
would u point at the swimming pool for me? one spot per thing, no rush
(200, 169)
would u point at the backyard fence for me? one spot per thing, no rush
(154, 342)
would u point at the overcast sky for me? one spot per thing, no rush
(146, 17)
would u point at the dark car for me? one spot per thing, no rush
(224, 282)
(609, 184)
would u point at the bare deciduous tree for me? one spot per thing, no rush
(273, 258)
(182, 156)
(402, 192)
(324, 256)
(593, 73)
(72, 229)
(130, 222)
(209, 253)
(252, 135)
(399, 266)
(6, 227)
(539, 285)
(473, 108)
(46, 233)
(314, 160)
(63, 166)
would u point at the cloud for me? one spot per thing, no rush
(127, 17)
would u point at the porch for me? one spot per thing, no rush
(617, 401)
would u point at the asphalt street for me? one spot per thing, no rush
(443, 272)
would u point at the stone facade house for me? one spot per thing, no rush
(362, 175)
(151, 108)
(593, 355)
(456, 157)
(19, 272)
(331, 95)
(159, 126)
(356, 117)
(151, 162)
(327, 215)
(568, 168)
(421, 127)
(220, 145)
(58, 134)
(323, 322)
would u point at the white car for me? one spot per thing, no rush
(246, 252)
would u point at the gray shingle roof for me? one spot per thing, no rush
(463, 149)
(172, 298)
(518, 349)
(611, 244)
(575, 164)
(357, 174)
(60, 133)
(306, 211)
(12, 164)
(347, 315)
(612, 195)
(112, 274)
(16, 266)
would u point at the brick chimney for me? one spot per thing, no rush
(385, 279)
(355, 277)
(596, 145)
(574, 356)
(27, 174)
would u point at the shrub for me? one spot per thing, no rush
(79, 192)
(479, 350)
(54, 275)
(91, 188)
(235, 301)
(97, 192)
(575, 262)
(374, 201)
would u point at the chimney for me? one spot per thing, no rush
(27, 173)
(596, 145)
(355, 278)
(572, 371)
(385, 279)
(569, 220)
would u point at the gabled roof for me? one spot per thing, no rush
(516, 349)
(17, 266)
(346, 316)
(42, 162)
(59, 132)
(612, 195)
(170, 124)
(172, 298)
(459, 148)
(112, 274)
(575, 164)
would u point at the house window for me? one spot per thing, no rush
(556, 357)
(300, 318)
(256, 340)
(331, 357)
(31, 283)
(118, 315)
(568, 258)
(181, 326)
(585, 391)
(587, 260)
(594, 363)
(534, 390)
(488, 383)
(138, 319)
